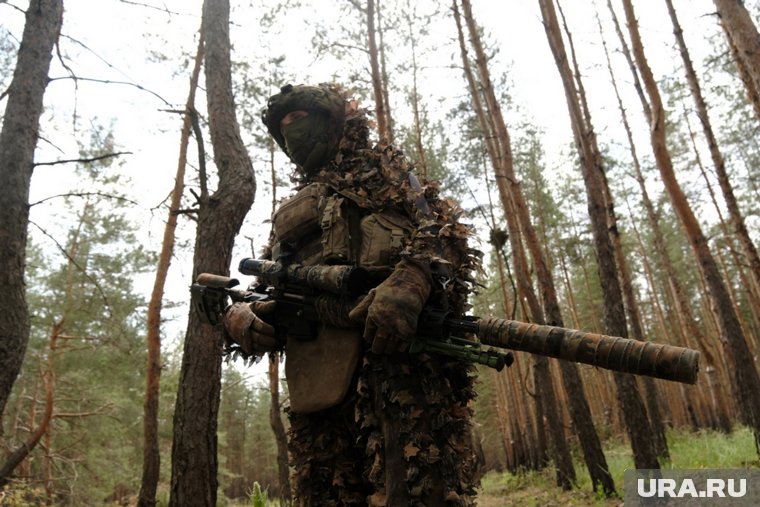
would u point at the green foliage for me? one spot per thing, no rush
(258, 496)
(688, 450)
(88, 287)
(22, 494)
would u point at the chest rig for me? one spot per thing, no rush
(321, 226)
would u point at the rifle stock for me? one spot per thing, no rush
(324, 293)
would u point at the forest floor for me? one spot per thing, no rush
(687, 450)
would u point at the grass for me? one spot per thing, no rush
(688, 450)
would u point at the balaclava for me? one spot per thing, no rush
(313, 140)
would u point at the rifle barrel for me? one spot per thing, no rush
(614, 353)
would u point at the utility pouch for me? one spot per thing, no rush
(383, 238)
(336, 232)
(319, 371)
(300, 215)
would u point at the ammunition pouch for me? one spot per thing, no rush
(383, 238)
(336, 233)
(319, 371)
(300, 215)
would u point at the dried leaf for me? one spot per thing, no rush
(410, 450)
(379, 499)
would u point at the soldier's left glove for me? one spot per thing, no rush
(393, 308)
(244, 326)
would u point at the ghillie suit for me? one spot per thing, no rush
(382, 427)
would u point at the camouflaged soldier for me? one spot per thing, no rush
(369, 424)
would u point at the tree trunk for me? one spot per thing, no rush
(745, 382)
(624, 274)
(516, 213)
(377, 79)
(735, 215)
(744, 41)
(48, 378)
(685, 315)
(194, 449)
(18, 139)
(278, 428)
(151, 453)
(634, 413)
(421, 162)
(384, 75)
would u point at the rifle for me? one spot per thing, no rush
(307, 295)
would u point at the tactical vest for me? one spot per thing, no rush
(321, 226)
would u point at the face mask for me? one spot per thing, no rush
(307, 142)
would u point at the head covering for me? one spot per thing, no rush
(313, 140)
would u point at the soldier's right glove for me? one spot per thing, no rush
(244, 326)
(393, 308)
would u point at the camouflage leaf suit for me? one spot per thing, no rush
(398, 433)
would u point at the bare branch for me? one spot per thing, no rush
(147, 6)
(84, 160)
(201, 153)
(108, 81)
(22, 11)
(78, 415)
(86, 194)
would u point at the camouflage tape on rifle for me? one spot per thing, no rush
(614, 353)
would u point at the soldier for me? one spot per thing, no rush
(369, 423)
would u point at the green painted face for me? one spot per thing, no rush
(308, 143)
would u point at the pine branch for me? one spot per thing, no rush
(73, 261)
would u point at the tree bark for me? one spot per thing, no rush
(735, 216)
(278, 428)
(630, 303)
(744, 41)
(516, 213)
(151, 453)
(684, 313)
(48, 378)
(18, 139)
(744, 378)
(377, 79)
(384, 75)
(194, 450)
(634, 413)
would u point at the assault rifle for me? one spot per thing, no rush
(309, 295)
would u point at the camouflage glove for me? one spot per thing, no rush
(393, 308)
(243, 326)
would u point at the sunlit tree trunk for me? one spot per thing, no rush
(745, 382)
(636, 422)
(220, 215)
(18, 139)
(577, 403)
(684, 313)
(151, 453)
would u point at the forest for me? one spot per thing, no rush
(604, 152)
